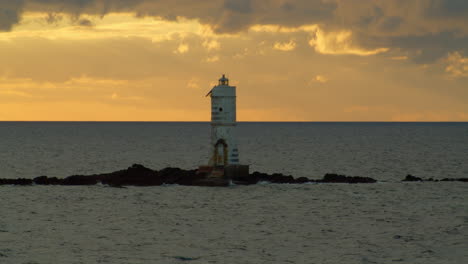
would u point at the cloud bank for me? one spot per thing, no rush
(426, 30)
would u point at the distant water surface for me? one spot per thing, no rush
(386, 222)
(385, 151)
(410, 223)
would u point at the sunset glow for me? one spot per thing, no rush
(320, 60)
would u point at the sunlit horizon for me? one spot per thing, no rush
(334, 61)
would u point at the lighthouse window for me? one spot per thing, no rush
(220, 109)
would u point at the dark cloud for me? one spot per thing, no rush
(430, 47)
(85, 22)
(223, 15)
(10, 13)
(241, 6)
(53, 18)
(422, 49)
(448, 8)
(391, 23)
(287, 6)
(428, 27)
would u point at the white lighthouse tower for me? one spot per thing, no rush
(223, 124)
(224, 154)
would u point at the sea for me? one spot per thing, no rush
(387, 222)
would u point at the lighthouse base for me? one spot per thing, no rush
(223, 175)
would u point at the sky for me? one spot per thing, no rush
(291, 60)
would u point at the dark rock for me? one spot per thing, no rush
(179, 176)
(23, 182)
(280, 178)
(20, 181)
(136, 175)
(44, 180)
(336, 178)
(171, 175)
(455, 179)
(80, 180)
(185, 258)
(55, 181)
(256, 177)
(411, 178)
(248, 180)
(301, 180)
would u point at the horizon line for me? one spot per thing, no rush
(279, 121)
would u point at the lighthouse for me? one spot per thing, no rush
(224, 150)
(224, 153)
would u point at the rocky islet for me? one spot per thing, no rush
(138, 175)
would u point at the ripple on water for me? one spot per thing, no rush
(241, 224)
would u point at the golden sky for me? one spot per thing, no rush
(291, 60)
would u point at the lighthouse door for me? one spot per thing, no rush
(221, 153)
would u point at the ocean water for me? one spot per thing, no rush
(386, 222)
(384, 151)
